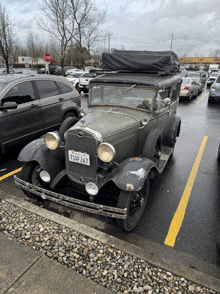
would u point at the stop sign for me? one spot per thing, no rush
(47, 57)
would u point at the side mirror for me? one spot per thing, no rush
(167, 101)
(9, 105)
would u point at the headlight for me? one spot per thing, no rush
(52, 140)
(45, 176)
(82, 113)
(106, 152)
(91, 188)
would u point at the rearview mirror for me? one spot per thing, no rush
(167, 101)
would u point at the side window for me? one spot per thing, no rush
(175, 92)
(161, 95)
(47, 89)
(20, 93)
(64, 88)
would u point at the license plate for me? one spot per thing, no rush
(79, 157)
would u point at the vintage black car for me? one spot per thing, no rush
(103, 163)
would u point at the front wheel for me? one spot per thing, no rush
(31, 173)
(135, 202)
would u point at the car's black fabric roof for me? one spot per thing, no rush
(136, 78)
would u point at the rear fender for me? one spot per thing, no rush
(132, 173)
(51, 161)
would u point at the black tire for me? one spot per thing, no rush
(86, 91)
(68, 114)
(66, 124)
(170, 139)
(210, 100)
(219, 153)
(30, 173)
(78, 88)
(135, 202)
(153, 145)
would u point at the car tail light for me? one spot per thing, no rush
(79, 97)
(213, 86)
(186, 88)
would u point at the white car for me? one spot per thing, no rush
(71, 70)
(74, 79)
(189, 88)
(85, 79)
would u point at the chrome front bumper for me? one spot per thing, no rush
(72, 202)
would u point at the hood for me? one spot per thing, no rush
(108, 123)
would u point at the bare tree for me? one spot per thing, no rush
(88, 21)
(58, 21)
(6, 36)
(215, 53)
(34, 47)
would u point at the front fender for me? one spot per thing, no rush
(132, 173)
(52, 161)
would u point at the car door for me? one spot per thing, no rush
(23, 123)
(51, 103)
(162, 111)
(217, 87)
(195, 86)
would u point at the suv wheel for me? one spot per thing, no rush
(153, 145)
(66, 124)
(135, 202)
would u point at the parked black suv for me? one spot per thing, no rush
(31, 105)
(104, 162)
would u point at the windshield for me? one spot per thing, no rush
(75, 75)
(131, 96)
(186, 81)
(194, 74)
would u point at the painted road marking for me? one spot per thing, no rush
(181, 209)
(10, 174)
(202, 98)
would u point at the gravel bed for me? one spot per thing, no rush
(114, 269)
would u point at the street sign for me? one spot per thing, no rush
(47, 57)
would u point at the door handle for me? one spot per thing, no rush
(61, 99)
(33, 105)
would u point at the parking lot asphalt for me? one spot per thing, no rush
(45, 252)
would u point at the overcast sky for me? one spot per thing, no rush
(143, 24)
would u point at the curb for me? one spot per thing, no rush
(158, 261)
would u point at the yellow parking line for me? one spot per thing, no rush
(202, 98)
(180, 212)
(10, 174)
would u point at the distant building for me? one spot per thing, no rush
(29, 60)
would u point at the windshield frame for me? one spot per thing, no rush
(125, 89)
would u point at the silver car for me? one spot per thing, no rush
(214, 94)
(189, 88)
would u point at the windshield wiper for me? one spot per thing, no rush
(128, 89)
